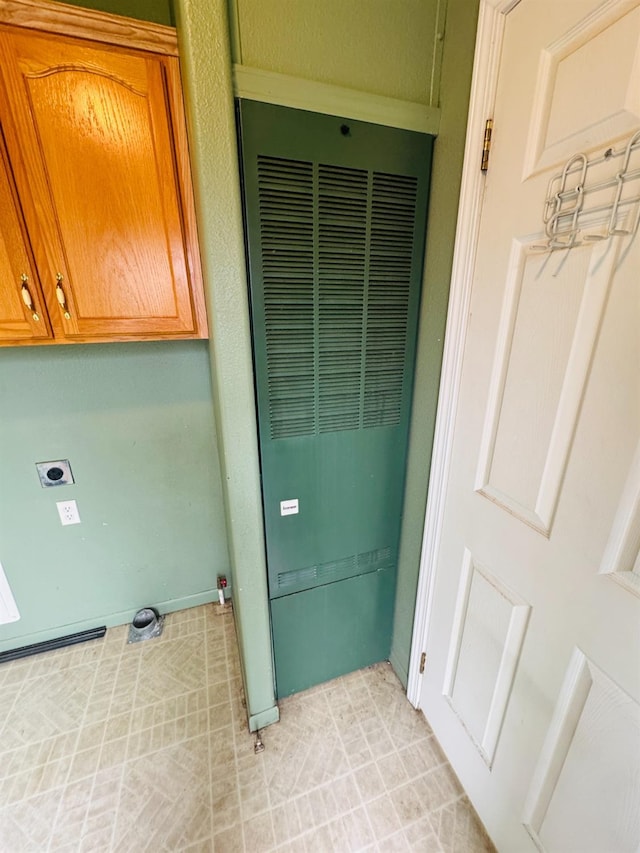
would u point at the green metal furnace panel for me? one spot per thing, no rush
(349, 497)
(335, 214)
(333, 629)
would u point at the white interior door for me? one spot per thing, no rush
(532, 677)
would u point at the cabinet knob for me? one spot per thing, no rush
(26, 297)
(61, 297)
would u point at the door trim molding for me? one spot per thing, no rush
(284, 90)
(489, 38)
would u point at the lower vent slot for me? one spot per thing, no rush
(346, 567)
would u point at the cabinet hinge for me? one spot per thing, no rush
(423, 660)
(486, 144)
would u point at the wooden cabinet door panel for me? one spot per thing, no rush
(17, 322)
(101, 169)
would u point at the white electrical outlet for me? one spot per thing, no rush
(68, 512)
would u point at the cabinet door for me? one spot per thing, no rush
(101, 187)
(18, 323)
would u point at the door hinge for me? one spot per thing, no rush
(423, 660)
(486, 144)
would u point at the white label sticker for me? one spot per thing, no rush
(289, 507)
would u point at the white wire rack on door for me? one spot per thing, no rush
(592, 200)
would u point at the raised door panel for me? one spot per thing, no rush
(98, 151)
(621, 560)
(489, 629)
(587, 759)
(18, 280)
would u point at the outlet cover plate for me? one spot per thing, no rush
(56, 473)
(68, 512)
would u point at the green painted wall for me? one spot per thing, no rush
(384, 47)
(137, 424)
(159, 11)
(206, 70)
(448, 154)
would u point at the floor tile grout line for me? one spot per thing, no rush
(347, 775)
(234, 733)
(221, 638)
(412, 779)
(15, 697)
(387, 730)
(364, 804)
(97, 770)
(359, 700)
(123, 649)
(327, 822)
(79, 731)
(206, 640)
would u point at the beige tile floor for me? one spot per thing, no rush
(114, 747)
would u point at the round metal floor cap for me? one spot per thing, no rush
(146, 623)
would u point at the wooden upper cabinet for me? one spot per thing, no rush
(97, 151)
(23, 315)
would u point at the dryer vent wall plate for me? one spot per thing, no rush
(56, 473)
(147, 624)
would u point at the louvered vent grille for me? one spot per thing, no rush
(286, 230)
(358, 564)
(393, 215)
(336, 262)
(342, 239)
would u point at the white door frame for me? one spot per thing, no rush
(483, 90)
